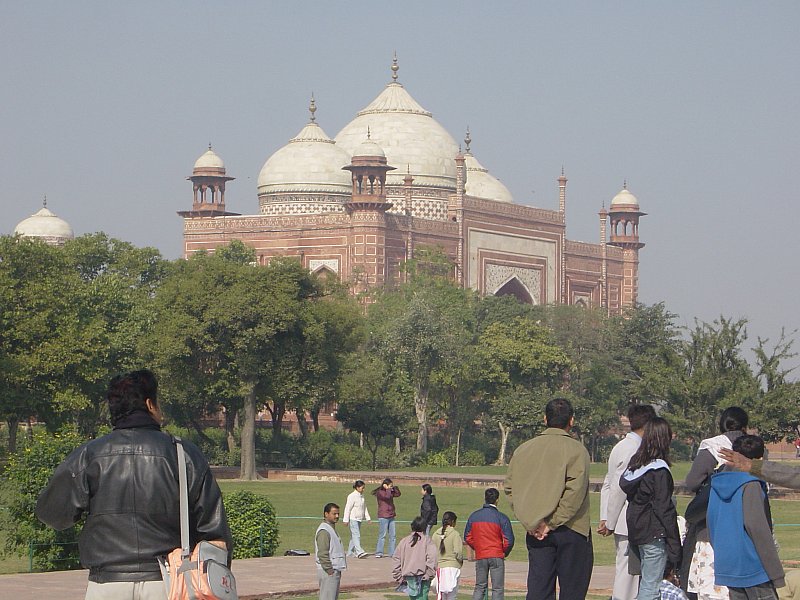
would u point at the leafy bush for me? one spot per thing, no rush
(471, 458)
(26, 474)
(253, 524)
(438, 459)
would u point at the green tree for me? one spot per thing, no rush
(716, 376)
(370, 401)
(522, 364)
(778, 416)
(26, 474)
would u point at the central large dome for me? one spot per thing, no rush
(409, 135)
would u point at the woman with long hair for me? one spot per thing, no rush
(414, 561)
(385, 494)
(355, 513)
(449, 557)
(697, 568)
(652, 518)
(428, 510)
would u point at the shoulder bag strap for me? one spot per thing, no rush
(186, 551)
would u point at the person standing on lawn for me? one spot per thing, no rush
(329, 554)
(429, 510)
(614, 502)
(355, 513)
(548, 487)
(385, 493)
(489, 534)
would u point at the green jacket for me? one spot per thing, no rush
(453, 548)
(548, 480)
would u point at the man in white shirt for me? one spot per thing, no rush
(613, 502)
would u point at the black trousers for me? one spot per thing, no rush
(564, 555)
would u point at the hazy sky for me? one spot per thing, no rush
(105, 106)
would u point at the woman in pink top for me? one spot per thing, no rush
(385, 494)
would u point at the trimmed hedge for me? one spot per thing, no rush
(253, 524)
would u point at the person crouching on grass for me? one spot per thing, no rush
(414, 561)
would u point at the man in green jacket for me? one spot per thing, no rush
(548, 488)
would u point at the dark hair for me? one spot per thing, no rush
(128, 393)
(418, 526)
(383, 483)
(448, 520)
(751, 446)
(428, 489)
(733, 418)
(491, 495)
(358, 484)
(558, 412)
(639, 414)
(329, 507)
(656, 438)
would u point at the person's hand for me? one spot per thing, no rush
(541, 531)
(736, 460)
(603, 530)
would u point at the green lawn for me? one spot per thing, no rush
(299, 508)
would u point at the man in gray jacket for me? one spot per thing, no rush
(329, 554)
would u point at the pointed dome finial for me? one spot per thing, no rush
(312, 108)
(395, 67)
(209, 145)
(625, 184)
(44, 201)
(467, 140)
(562, 170)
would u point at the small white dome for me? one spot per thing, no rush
(311, 162)
(624, 198)
(369, 148)
(481, 184)
(209, 160)
(47, 226)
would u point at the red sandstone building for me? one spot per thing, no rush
(393, 180)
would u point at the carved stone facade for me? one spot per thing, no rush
(409, 186)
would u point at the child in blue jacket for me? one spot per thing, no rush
(740, 527)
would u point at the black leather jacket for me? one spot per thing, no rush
(126, 483)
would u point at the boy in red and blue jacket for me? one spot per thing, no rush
(489, 534)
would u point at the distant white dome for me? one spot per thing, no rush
(47, 226)
(369, 148)
(209, 160)
(409, 136)
(481, 184)
(310, 163)
(624, 198)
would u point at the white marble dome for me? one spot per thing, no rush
(310, 163)
(624, 198)
(369, 148)
(409, 136)
(209, 160)
(47, 226)
(482, 184)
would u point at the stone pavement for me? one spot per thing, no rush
(272, 577)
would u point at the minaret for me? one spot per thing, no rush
(367, 209)
(624, 214)
(603, 259)
(562, 209)
(208, 186)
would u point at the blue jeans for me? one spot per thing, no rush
(385, 525)
(654, 560)
(355, 539)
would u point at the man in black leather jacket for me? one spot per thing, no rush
(126, 484)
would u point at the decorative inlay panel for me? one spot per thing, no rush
(496, 276)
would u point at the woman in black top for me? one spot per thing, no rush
(429, 510)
